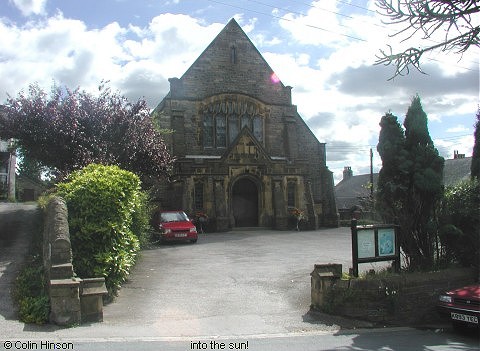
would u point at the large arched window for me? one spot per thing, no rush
(223, 119)
(208, 130)
(258, 128)
(232, 127)
(220, 131)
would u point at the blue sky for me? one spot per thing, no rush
(324, 49)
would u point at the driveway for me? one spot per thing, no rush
(235, 283)
(16, 226)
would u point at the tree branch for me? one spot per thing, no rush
(429, 17)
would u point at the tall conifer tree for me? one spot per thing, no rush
(391, 148)
(425, 185)
(410, 182)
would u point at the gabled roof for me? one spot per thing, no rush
(232, 35)
(456, 170)
(230, 64)
(348, 191)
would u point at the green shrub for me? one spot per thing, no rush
(34, 309)
(30, 294)
(141, 220)
(460, 219)
(105, 206)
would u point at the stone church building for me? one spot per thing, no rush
(244, 156)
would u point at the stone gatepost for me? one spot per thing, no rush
(65, 301)
(323, 277)
(92, 291)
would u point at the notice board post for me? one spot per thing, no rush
(374, 243)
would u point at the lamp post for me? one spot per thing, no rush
(12, 160)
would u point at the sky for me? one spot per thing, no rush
(324, 49)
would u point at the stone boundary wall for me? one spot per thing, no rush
(72, 300)
(396, 299)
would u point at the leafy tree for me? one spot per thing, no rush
(453, 18)
(31, 168)
(460, 220)
(68, 130)
(104, 233)
(410, 182)
(425, 186)
(475, 167)
(392, 183)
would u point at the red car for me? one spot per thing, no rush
(462, 305)
(175, 225)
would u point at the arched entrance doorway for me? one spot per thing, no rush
(245, 203)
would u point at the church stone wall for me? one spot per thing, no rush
(232, 75)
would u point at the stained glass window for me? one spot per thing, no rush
(221, 131)
(245, 121)
(223, 121)
(208, 131)
(258, 128)
(232, 127)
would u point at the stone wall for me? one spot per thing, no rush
(232, 80)
(73, 300)
(396, 299)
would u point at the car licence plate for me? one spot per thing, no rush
(180, 235)
(464, 317)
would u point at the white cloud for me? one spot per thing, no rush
(338, 91)
(346, 86)
(136, 60)
(446, 147)
(458, 129)
(30, 7)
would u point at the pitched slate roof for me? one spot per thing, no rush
(348, 191)
(456, 170)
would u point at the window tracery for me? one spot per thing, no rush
(225, 116)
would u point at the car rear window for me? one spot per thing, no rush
(174, 217)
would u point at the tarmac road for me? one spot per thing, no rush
(245, 289)
(235, 283)
(16, 226)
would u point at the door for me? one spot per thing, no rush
(245, 203)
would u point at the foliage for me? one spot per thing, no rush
(35, 309)
(393, 174)
(460, 219)
(452, 18)
(298, 214)
(30, 294)
(71, 129)
(425, 188)
(28, 167)
(107, 215)
(336, 298)
(141, 219)
(410, 183)
(475, 167)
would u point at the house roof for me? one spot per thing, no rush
(456, 170)
(349, 191)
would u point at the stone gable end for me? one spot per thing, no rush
(244, 154)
